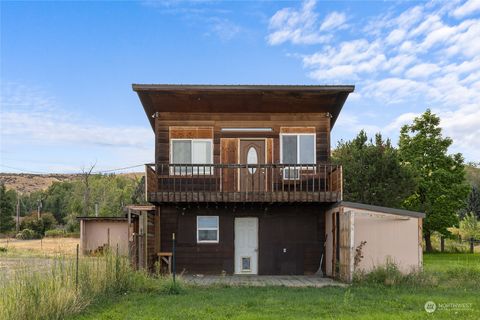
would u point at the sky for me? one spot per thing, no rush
(67, 68)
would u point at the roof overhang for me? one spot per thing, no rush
(242, 98)
(102, 218)
(372, 208)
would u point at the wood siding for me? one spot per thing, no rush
(299, 229)
(208, 125)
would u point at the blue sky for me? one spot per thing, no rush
(67, 68)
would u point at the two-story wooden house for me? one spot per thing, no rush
(243, 177)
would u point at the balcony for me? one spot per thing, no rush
(181, 183)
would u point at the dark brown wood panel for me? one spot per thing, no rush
(228, 155)
(297, 228)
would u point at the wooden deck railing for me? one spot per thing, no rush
(244, 183)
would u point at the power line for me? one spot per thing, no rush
(23, 170)
(94, 172)
(118, 169)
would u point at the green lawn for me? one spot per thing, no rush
(454, 278)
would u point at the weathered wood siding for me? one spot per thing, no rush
(299, 229)
(208, 126)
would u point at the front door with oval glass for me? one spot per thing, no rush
(252, 177)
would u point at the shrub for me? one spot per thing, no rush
(390, 275)
(55, 233)
(72, 235)
(46, 222)
(27, 234)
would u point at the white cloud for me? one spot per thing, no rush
(347, 61)
(30, 114)
(301, 26)
(334, 20)
(467, 9)
(414, 59)
(224, 28)
(422, 70)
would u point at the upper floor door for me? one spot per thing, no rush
(252, 153)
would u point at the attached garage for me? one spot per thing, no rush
(360, 237)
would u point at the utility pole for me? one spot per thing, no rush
(17, 226)
(39, 207)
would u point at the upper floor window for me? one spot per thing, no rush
(191, 151)
(297, 148)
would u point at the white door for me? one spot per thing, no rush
(246, 245)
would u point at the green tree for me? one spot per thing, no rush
(473, 203)
(373, 171)
(441, 188)
(469, 227)
(7, 209)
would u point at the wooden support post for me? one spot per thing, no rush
(471, 245)
(442, 244)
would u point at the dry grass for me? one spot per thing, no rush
(44, 247)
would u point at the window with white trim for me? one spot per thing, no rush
(191, 151)
(298, 148)
(207, 229)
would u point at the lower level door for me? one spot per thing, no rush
(246, 245)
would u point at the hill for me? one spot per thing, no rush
(26, 182)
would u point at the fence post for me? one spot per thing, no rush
(471, 245)
(174, 269)
(117, 264)
(76, 270)
(442, 244)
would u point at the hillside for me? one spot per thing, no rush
(26, 182)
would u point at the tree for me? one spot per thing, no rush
(7, 210)
(441, 188)
(39, 226)
(373, 171)
(469, 227)
(86, 173)
(473, 204)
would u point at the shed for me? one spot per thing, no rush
(97, 233)
(387, 234)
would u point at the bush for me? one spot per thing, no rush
(390, 275)
(27, 234)
(46, 222)
(55, 233)
(73, 235)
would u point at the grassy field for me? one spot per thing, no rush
(448, 278)
(40, 247)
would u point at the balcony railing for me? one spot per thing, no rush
(243, 183)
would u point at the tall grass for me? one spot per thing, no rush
(464, 273)
(59, 293)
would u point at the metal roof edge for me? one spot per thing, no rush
(369, 207)
(153, 87)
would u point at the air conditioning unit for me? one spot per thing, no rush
(291, 173)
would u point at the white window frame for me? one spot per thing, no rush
(298, 153)
(217, 229)
(172, 169)
(298, 145)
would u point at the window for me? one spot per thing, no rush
(298, 148)
(191, 151)
(207, 229)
